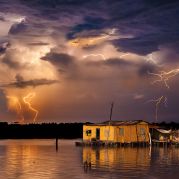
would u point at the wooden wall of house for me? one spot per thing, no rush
(132, 133)
(106, 133)
(142, 136)
(86, 136)
(123, 134)
(128, 134)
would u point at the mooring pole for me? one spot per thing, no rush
(56, 143)
(110, 118)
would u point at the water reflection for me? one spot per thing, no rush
(23, 159)
(132, 162)
(38, 159)
(115, 159)
(34, 159)
(113, 156)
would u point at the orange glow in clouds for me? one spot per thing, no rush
(89, 41)
(14, 104)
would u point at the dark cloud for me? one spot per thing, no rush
(66, 65)
(118, 62)
(59, 58)
(146, 68)
(113, 62)
(19, 78)
(38, 43)
(18, 28)
(151, 23)
(55, 9)
(52, 3)
(148, 23)
(138, 45)
(2, 50)
(90, 23)
(21, 83)
(160, 2)
(3, 47)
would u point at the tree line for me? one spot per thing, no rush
(41, 131)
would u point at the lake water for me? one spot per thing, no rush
(38, 159)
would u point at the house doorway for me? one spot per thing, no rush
(98, 133)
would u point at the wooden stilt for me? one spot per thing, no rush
(56, 143)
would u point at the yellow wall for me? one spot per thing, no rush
(141, 137)
(132, 133)
(129, 134)
(104, 131)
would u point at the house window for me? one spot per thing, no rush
(121, 131)
(88, 132)
(142, 131)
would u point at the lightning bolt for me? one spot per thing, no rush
(27, 100)
(157, 103)
(165, 102)
(123, 55)
(101, 55)
(112, 31)
(15, 105)
(95, 55)
(165, 76)
(150, 58)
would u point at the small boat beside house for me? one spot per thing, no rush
(161, 136)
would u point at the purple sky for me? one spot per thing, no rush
(67, 61)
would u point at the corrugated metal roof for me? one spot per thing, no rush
(164, 131)
(118, 123)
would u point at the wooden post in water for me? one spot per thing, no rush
(110, 118)
(56, 143)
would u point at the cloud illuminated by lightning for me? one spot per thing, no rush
(85, 42)
(27, 100)
(88, 41)
(12, 17)
(151, 59)
(165, 76)
(15, 105)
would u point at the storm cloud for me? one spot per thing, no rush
(94, 52)
(33, 83)
(59, 58)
